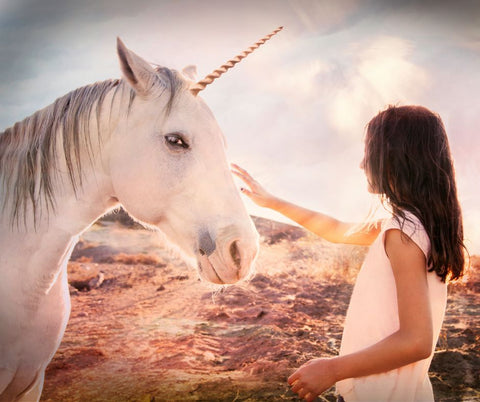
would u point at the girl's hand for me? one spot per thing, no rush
(255, 191)
(313, 378)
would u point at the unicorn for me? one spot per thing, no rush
(146, 142)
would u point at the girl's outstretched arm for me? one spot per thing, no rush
(413, 340)
(323, 225)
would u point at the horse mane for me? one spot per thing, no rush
(29, 149)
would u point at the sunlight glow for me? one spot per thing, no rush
(383, 75)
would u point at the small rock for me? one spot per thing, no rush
(179, 278)
(89, 284)
(97, 281)
(209, 356)
(72, 290)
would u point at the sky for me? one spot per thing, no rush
(294, 112)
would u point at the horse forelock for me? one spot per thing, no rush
(174, 83)
(29, 149)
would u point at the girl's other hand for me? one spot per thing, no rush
(313, 378)
(255, 191)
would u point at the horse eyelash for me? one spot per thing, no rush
(178, 136)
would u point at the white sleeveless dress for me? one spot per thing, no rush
(373, 315)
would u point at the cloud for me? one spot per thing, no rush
(382, 74)
(325, 16)
(347, 86)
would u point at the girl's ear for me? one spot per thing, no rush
(137, 72)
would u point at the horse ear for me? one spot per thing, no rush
(138, 73)
(190, 72)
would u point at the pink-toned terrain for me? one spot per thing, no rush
(144, 328)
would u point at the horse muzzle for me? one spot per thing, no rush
(229, 259)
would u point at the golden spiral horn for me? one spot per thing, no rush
(197, 87)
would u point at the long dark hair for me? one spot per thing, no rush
(408, 162)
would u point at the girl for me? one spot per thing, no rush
(398, 303)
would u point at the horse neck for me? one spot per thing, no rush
(36, 252)
(32, 260)
(67, 169)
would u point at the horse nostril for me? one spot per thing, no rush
(206, 245)
(235, 253)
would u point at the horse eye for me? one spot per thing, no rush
(175, 140)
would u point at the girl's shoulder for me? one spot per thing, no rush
(411, 227)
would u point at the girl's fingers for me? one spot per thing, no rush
(247, 180)
(310, 397)
(235, 166)
(297, 387)
(241, 171)
(241, 176)
(246, 192)
(294, 377)
(238, 174)
(255, 191)
(303, 393)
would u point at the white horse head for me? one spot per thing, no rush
(146, 142)
(168, 168)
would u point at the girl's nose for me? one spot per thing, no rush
(362, 164)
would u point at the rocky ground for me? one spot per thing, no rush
(144, 328)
